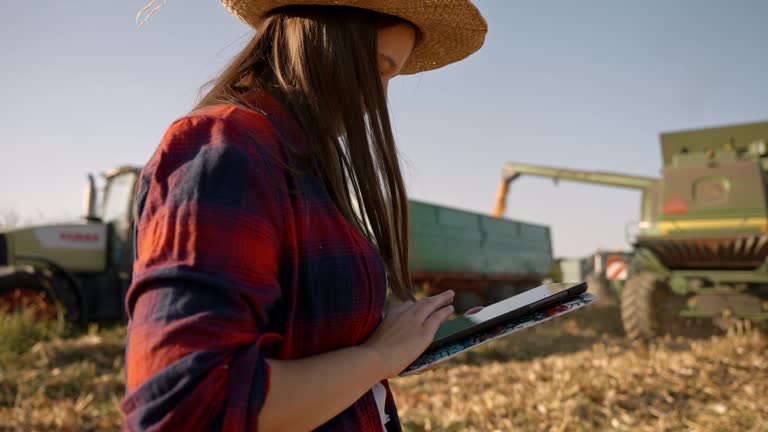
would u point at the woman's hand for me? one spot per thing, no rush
(472, 311)
(407, 330)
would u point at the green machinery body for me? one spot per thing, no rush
(483, 258)
(452, 240)
(703, 227)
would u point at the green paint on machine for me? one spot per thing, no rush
(455, 241)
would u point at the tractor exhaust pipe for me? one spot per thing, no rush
(89, 201)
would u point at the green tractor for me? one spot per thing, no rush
(83, 266)
(701, 250)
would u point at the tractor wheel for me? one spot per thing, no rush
(24, 289)
(600, 286)
(30, 288)
(649, 309)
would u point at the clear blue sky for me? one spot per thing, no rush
(586, 84)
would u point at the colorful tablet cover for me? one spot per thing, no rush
(529, 320)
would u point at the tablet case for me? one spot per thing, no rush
(529, 320)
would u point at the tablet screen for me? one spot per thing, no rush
(497, 310)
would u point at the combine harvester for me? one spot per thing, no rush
(703, 234)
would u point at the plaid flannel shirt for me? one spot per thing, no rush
(239, 258)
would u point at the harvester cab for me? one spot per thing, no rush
(83, 266)
(702, 241)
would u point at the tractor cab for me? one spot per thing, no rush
(115, 210)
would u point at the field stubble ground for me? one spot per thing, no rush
(574, 374)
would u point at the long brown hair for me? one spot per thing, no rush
(321, 63)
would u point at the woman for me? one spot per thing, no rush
(258, 291)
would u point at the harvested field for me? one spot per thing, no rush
(575, 374)
(579, 374)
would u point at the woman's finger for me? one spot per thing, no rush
(434, 320)
(429, 305)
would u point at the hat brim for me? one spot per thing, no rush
(449, 30)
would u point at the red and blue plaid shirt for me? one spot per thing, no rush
(238, 259)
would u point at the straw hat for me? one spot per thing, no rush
(449, 30)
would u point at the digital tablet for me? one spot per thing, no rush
(533, 317)
(505, 310)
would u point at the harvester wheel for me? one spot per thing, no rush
(27, 287)
(637, 306)
(649, 309)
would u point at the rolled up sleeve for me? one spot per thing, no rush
(210, 212)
